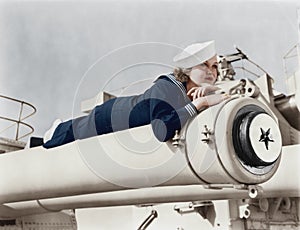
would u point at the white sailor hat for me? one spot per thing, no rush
(195, 54)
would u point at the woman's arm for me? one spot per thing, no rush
(210, 100)
(165, 119)
(170, 109)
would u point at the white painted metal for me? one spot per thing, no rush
(265, 122)
(166, 194)
(223, 135)
(127, 159)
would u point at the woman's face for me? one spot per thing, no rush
(205, 73)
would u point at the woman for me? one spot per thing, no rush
(167, 105)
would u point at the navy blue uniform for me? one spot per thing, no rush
(165, 106)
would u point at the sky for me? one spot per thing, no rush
(54, 54)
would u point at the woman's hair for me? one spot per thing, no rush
(182, 74)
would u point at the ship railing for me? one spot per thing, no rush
(293, 54)
(18, 122)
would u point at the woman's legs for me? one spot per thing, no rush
(63, 134)
(78, 128)
(98, 122)
(49, 134)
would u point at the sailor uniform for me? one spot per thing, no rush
(165, 106)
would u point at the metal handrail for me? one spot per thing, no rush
(289, 55)
(20, 119)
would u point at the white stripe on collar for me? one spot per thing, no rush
(178, 83)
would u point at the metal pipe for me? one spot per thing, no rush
(116, 161)
(153, 215)
(164, 194)
(143, 196)
(39, 173)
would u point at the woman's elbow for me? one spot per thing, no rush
(161, 132)
(161, 138)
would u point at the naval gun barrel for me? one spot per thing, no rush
(235, 142)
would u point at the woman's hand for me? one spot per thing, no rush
(201, 91)
(209, 100)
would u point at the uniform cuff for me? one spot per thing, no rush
(191, 108)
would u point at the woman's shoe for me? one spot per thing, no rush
(48, 135)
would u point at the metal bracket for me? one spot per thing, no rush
(204, 208)
(221, 186)
(178, 139)
(239, 88)
(207, 133)
(253, 190)
(244, 211)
